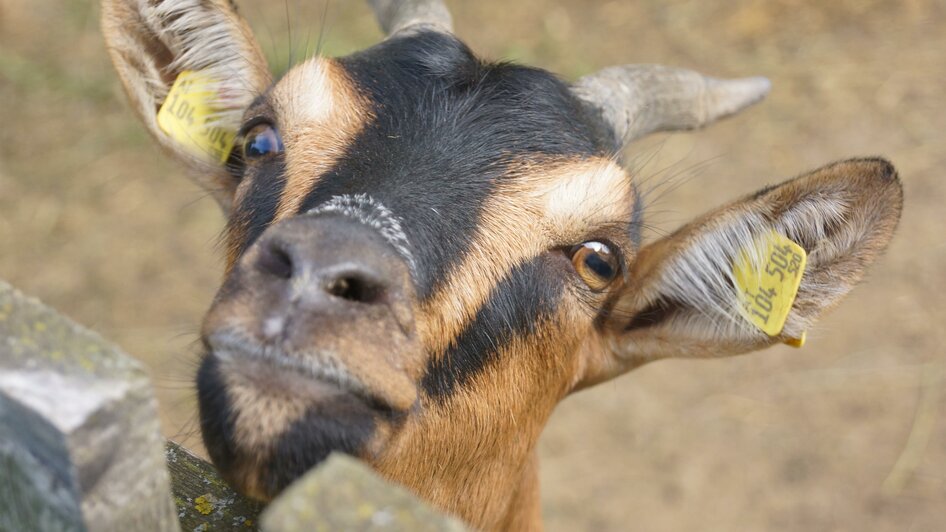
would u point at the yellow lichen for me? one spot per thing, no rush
(87, 364)
(365, 510)
(203, 504)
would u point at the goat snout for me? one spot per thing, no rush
(325, 288)
(311, 346)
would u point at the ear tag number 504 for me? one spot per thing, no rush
(767, 280)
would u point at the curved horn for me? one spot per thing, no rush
(635, 100)
(397, 15)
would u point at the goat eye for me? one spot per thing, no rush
(261, 141)
(596, 264)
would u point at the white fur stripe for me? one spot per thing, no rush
(375, 215)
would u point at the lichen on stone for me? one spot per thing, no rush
(204, 504)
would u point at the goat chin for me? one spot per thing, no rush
(265, 425)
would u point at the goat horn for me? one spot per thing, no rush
(635, 100)
(397, 15)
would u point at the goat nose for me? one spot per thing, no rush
(274, 259)
(349, 280)
(354, 284)
(326, 261)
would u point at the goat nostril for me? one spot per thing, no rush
(274, 260)
(355, 289)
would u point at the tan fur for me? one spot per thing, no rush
(260, 418)
(503, 410)
(324, 112)
(537, 209)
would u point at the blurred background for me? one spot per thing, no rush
(848, 433)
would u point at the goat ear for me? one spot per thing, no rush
(689, 294)
(205, 50)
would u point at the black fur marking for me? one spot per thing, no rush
(216, 414)
(527, 296)
(445, 128)
(342, 423)
(254, 214)
(637, 219)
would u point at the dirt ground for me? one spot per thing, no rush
(848, 433)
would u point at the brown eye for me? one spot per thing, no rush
(596, 264)
(261, 141)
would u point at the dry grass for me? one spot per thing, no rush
(846, 434)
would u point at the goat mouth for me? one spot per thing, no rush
(264, 424)
(316, 375)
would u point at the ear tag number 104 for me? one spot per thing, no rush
(768, 282)
(188, 114)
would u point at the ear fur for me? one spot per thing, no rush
(682, 299)
(152, 41)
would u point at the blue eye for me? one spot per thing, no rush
(596, 264)
(261, 141)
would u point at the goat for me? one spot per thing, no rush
(426, 251)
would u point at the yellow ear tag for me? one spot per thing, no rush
(797, 343)
(188, 113)
(768, 281)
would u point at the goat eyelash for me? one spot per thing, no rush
(235, 164)
(250, 124)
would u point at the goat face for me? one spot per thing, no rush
(426, 251)
(402, 260)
